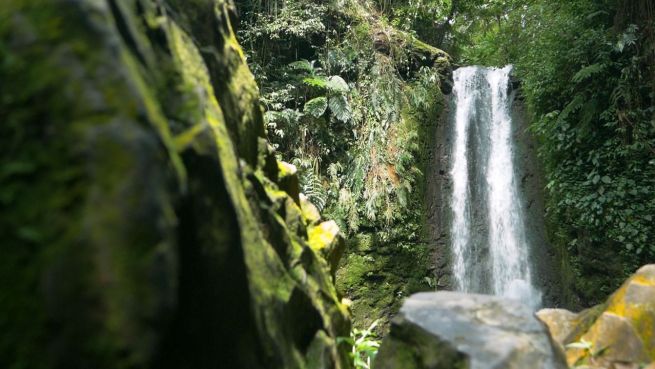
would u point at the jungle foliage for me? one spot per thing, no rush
(346, 115)
(351, 99)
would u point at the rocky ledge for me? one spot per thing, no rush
(449, 330)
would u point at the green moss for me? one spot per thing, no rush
(129, 208)
(377, 275)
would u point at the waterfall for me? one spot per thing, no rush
(489, 243)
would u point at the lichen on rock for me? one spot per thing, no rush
(619, 331)
(139, 226)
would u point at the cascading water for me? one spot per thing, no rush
(489, 242)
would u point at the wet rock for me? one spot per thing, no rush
(445, 330)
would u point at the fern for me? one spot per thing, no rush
(588, 72)
(311, 183)
(572, 107)
(316, 81)
(628, 38)
(340, 108)
(303, 65)
(313, 188)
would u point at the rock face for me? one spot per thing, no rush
(445, 330)
(144, 220)
(621, 331)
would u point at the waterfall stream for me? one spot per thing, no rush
(489, 242)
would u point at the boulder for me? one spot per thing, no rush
(144, 219)
(309, 210)
(560, 322)
(443, 330)
(288, 180)
(619, 332)
(326, 239)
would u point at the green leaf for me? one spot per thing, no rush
(606, 179)
(584, 345)
(302, 65)
(340, 108)
(338, 85)
(347, 340)
(628, 38)
(572, 107)
(319, 82)
(316, 107)
(17, 168)
(588, 72)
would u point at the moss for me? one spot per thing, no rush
(287, 179)
(377, 275)
(57, 213)
(130, 209)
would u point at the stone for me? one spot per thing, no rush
(614, 339)
(560, 323)
(445, 281)
(326, 239)
(147, 228)
(619, 332)
(288, 180)
(444, 330)
(309, 211)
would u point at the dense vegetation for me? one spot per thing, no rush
(148, 214)
(351, 100)
(587, 75)
(338, 109)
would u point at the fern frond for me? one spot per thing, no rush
(588, 72)
(340, 108)
(316, 81)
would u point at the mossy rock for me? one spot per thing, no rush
(140, 223)
(618, 331)
(378, 275)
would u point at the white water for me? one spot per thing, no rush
(485, 197)
(460, 233)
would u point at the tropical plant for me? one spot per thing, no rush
(589, 355)
(364, 345)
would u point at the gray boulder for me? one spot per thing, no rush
(444, 330)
